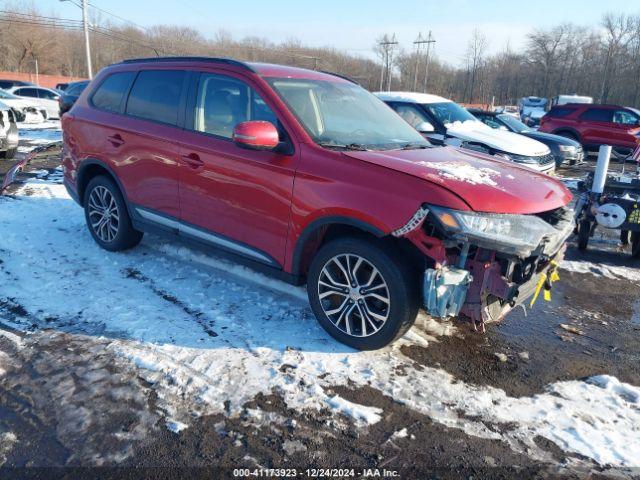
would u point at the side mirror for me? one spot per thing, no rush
(256, 135)
(425, 127)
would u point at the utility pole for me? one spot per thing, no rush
(428, 41)
(387, 47)
(418, 43)
(85, 22)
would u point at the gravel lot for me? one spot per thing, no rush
(165, 356)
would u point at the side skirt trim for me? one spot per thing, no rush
(190, 231)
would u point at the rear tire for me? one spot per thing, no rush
(360, 308)
(107, 216)
(635, 244)
(584, 232)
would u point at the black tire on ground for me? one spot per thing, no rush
(126, 236)
(403, 289)
(584, 232)
(635, 244)
(9, 154)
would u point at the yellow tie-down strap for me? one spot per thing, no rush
(546, 281)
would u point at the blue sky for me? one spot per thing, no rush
(354, 25)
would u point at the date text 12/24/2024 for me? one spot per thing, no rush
(315, 473)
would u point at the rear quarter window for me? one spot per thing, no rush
(597, 115)
(109, 95)
(560, 111)
(155, 95)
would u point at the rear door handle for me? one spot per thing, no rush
(193, 160)
(116, 140)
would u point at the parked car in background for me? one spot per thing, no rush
(309, 176)
(565, 150)
(527, 105)
(8, 132)
(45, 97)
(564, 99)
(70, 95)
(533, 117)
(24, 109)
(6, 84)
(595, 125)
(509, 110)
(444, 122)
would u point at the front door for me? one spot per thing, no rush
(236, 198)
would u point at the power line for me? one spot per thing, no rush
(92, 5)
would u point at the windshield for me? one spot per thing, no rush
(449, 113)
(345, 115)
(7, 95)
(513, 123)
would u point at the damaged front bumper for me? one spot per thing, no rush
(481, 278)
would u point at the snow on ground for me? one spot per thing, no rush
(611, 271)
(209, 336)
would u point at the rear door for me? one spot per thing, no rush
(625, 120)
(235, 198)
(133, 128)
(596, 126)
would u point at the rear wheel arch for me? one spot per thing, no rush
(90, 169)
(569, 133)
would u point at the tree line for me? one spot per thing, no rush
(602, 61)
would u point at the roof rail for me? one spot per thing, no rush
(228, 61)
(344, 77)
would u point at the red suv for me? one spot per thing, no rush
(595, 125)
(311, 177)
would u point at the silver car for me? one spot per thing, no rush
(8, 132)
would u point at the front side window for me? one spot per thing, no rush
(155, 95)
(223, 102)
(598, 115)
(344, 115)
(449, 113)
(27, 92)
(625, 117)
(411, 114)
(111, 92)
(513, 123)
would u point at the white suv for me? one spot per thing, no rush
(444, 122)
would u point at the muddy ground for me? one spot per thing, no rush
(47, 396)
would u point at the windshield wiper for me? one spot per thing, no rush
(350, 146)
(414, 146)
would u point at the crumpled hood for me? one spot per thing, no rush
(498, 139)
(485, 183)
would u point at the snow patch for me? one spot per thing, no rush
(610, 271)
(464, 172)
(176, 427)
(368, 415)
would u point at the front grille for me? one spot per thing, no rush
(541, 159)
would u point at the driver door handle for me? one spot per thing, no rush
(193, 160)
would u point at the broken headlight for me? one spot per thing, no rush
(511, 233)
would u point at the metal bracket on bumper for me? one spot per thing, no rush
(444, 291)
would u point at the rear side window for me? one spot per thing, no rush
(110, 93)
(155, 95)
(27, 92)
(560, 111)
(597, 115)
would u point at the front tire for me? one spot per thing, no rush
(584, 233)
(363, 293)
(107, 216)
